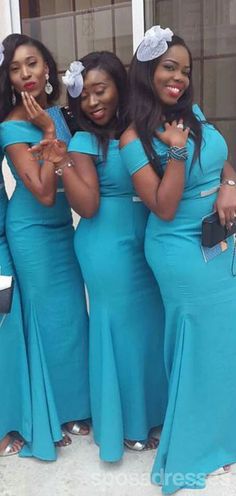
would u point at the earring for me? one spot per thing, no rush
(48, 87)
(13, 96)
(117, 113)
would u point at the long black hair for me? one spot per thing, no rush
(111, 64)
(10, 44)
(147, 111)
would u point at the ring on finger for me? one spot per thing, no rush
(180, 126)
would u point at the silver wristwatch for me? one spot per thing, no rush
(229, 182)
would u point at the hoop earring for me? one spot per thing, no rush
(13, 96)
(48, 87)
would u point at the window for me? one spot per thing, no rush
(73, 28)
(209, 29)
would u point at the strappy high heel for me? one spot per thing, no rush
(8, 450)
(142, 445)
(77, 428)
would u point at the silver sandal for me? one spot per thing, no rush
(139, 445)
(66, 443)
(7, 451)
(77, 427)
(220, 471)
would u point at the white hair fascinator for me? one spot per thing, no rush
(73, 79)
(154, 43)
(1, 53)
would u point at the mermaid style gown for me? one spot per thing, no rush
(199, 432)
(127, 379)
(15, 413)
(54, 306)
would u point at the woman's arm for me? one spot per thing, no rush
(80, 183)
(226, 199)
(39, 179)
(228, 171)
(78, 173)
(161, 196)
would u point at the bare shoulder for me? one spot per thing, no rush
(128, 136)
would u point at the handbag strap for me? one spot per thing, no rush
(233, 258)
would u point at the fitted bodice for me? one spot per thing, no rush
(15, 132)
(23, 202)
(200, 176)
(114, 179)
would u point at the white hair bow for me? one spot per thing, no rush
(154, 43)
(73, 79)
(1, 53)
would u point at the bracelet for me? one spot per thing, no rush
(59, 170)
(177, 153)
(229, 182)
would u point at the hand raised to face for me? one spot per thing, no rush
(35, 113)
(174, 134)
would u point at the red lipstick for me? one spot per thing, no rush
(29, 86)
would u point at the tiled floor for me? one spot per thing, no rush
(78, 472)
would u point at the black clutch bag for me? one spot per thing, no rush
(6, 293)
(213, 232)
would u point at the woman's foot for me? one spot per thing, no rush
(65, 441)
(10, 445)
(151, 443)
(220, 471)
(78, 428)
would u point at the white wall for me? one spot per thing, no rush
(10, 22)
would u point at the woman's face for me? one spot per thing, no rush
(99, 98)
(28, 70)
(171, 77)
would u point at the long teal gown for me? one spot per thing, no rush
(54, 306)
(127, 379)
(199, 432)
(15, 411)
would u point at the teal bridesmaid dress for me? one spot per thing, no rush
(199, 432)
(54, 305)
(127, 379)
(15, 412)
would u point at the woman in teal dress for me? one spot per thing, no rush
(41, 243)
(127, 379)
(15, 412)
(176, 165)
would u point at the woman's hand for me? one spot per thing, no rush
(51, 150)
(174, 134)
(225, 204)
(37, 115)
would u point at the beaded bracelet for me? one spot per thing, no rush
(177, 153)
